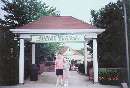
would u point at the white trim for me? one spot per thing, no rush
(98, 31)
(90, 35)
(25, 36)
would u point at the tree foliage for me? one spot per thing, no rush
(8, 58)
(81, 51)
(128, 20)
(21, 12)
(47, 50)
(111, 46)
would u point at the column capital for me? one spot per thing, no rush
(90, 36)
(21, 38)
(86, 40)
(86, 43)
(94, 38)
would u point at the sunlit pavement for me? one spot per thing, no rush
(48, 80)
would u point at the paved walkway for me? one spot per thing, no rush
(48, 80)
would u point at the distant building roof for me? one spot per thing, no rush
(57, 22)
(65, 48)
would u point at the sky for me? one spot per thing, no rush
(79, 9)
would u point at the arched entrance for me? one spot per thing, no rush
(57, 29)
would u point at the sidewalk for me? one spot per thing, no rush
(48, 80)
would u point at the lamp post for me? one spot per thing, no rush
(126, 39)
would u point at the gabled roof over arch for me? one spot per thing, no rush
(57, 22)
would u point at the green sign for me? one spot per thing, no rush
(46, 38)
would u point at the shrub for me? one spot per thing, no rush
(110, 76)
(8, 59)
(81, 68)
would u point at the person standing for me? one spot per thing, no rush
(59, 65)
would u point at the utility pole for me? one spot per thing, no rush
(126, 40)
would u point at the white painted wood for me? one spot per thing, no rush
(86, 54)
(90, 35)
(26, 34)
(53, 31)
(95, 61)
(21, 62)
(33, 53)
(46, 38)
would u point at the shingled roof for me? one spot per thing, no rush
(57, 22)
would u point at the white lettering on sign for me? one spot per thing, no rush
(46, 38)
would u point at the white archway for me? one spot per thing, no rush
(27, 32)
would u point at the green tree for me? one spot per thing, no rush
(81, 51)
(8, 58)
(111, 47)
(47, 50)
(19, 12)
(128, 21)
